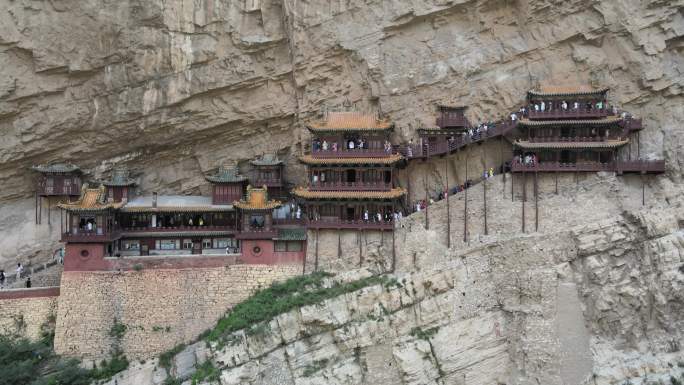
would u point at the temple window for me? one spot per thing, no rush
(206, 243)
(130, 245)
(187, 243)
(167, 244)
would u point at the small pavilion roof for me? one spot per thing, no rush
(267, 160)
(257, 200)
(305, 193)
(567, 90)
(173, 204)
(570, 145)
(56, 168)
(350, 121)
(91, 199)
(120, 177)
(226, 175)
(578, 122)
(381, 160)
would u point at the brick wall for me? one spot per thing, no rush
(23, 312)
(160, 308)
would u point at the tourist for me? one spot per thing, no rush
(365, 215)
(190, 222)
(334, 146)
(576, 106)
(298, 215)
(564, 105)
(379, 216)
(514, 117)
(89, 226)
(28, 282)
(351, 144)
(324, 146)
(409, 149)
(361, 144)
(316, 145)
(536, 107)
(491, 172)
(20, 269)
(542, 106)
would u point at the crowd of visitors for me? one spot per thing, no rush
(349, 145)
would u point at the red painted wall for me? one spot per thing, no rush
(29, 293)
(85, 257)
(267, 254)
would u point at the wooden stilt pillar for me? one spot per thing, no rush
(556, 182)
(318, 235)
(40, 210)
(465, 203)
(536, 202)
(484, 193)
(339, 244)
(61, 223)
(503, 166)
(36, 206)
(638, 146)
(524, 199)
(427, 204)
(643, 190)
(48, 212)
(512, 184)
(394, 253)
(447, 203)
(360, 248)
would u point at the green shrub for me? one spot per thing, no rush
(282, 297)
(314, 367)
(206, 372)
(118, 330)
(166, 357)
(419, 333)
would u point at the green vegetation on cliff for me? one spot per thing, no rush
(282, 297)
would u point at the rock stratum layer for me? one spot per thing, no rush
(174, 88)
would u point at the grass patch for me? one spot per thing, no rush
(314, 367)
(206, 372)
(118, 330)
(426, 334)
(282, 297)
(166, 357)
(23, 362)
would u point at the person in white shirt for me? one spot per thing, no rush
(542, 106)
(20, 269)
(324, 146)
(365, 215)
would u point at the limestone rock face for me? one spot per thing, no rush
(175, 88)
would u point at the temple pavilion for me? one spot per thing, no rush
(119, 186)
(351, 173)
(574, 129)
(55, 180)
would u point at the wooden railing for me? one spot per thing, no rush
(72, 190)
(631, 124)
(411, 151)
(620, 166)
(256, 233)
(350, 186)
(288, 221)
(269, 182)
(568, 114)
(352, 153)
(93, 236)
(176, 229)
(338, 223)
(579, 139)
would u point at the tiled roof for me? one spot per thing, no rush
(267, 160)
(574, 145)
(174, 204)
(91, 199)
(355, 195)
(56, 167)
(567, 90)
(350, 121)
(257, 199)
(298, 234)
(389, 159)
(226, 175)
(606, 120)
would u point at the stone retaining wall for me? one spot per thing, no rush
(24, 312)
(159, 308)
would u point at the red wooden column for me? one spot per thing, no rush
(465, 202)
(524, 199)
(446, 158)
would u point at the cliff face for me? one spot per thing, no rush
(176, 87)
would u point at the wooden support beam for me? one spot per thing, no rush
(48, 211)
(318, 235)
(512, 184)
(447, 202)
(36, 206)
(503, 166)
(465, 202)
(394, 253)
(536, 203)
(524, 199)
(360, 249)
(484, 193)
(427, 203)
(643, 190)
(556, 182)
(638, 146)
(339, 244)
